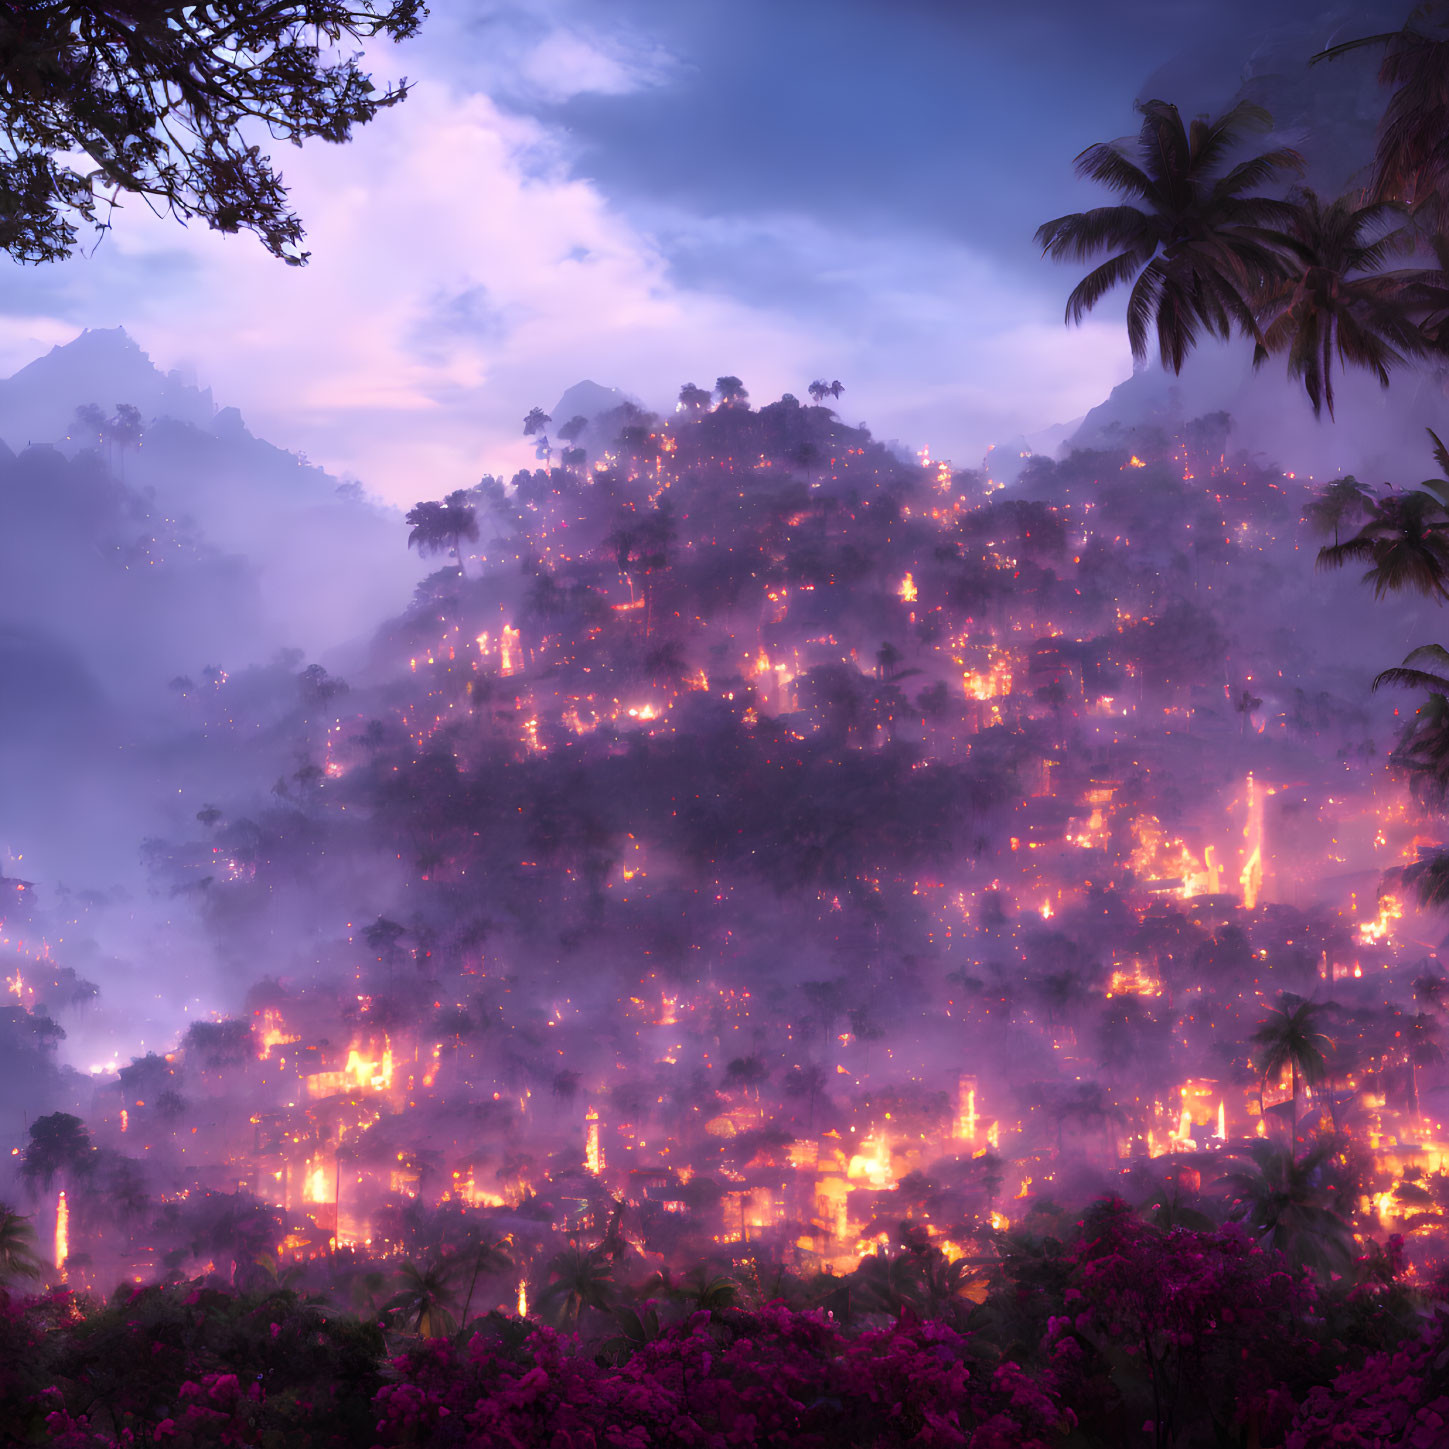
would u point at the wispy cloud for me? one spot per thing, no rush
(462, 272)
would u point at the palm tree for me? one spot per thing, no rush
(462, 522)
(1247, 704)
(1290, 1206)
(579, 1278)
(426, 1297)
(1289, 1037)
(1405, 542)
(807, 1082)
(1199, 245)
(1338, 300)
(888, 1283)
(536, 421)
(440, 527)
(1407, 677)
(946, 1282)
(1422, 752)
(701, 1289)
(60, 1144)
(1421, 1049)
(1344, 501)
(18, 1258)
(488, 1258)
(1411, 158)
(1428, 878)
(887, 664)
(732, 392)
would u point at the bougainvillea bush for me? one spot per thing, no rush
(194, 1365)
(724, 1378)
(1105, 1331)
(1397, 1398)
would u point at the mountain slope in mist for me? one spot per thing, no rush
(206, 472)
(148, 543)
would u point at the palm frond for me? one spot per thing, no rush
(1402, 678)
(1336, 555)
(1105, 163)
(1212, 140)
(1163, 142)
(1258, 171)
(1082, 234)
(1246, 116)
(1097, 283)
(1142, 306)
(1437, 652)
(1441, 453)
(1428, 877)
(1333, 52)
(1178, 319)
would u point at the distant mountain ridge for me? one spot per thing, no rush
(330, 563)
(103, 365)
(591, 400)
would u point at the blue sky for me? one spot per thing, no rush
(649, 193)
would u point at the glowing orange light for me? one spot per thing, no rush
(593, 1151)
(1390, 910)
(62, 1232)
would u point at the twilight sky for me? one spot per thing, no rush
(648, 192)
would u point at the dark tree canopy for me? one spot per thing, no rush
(170, 102)
(218, 1044)
(59, 1143)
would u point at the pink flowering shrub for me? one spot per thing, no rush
(720, 1379)
(187, 1367)
(1168, 1334)
(1113, 1334)
(1399, 1398)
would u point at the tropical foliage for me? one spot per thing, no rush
(1198, 243)
(1337, 301)
(1210, 244)
(1082, 1329)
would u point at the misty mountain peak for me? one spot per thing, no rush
(104, 366)
(228, 423)
(590, 400)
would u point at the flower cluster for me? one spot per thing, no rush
(773, 1376)
(1106, 1331)
(1399, 1398)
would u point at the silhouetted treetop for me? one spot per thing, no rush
(158, 99)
